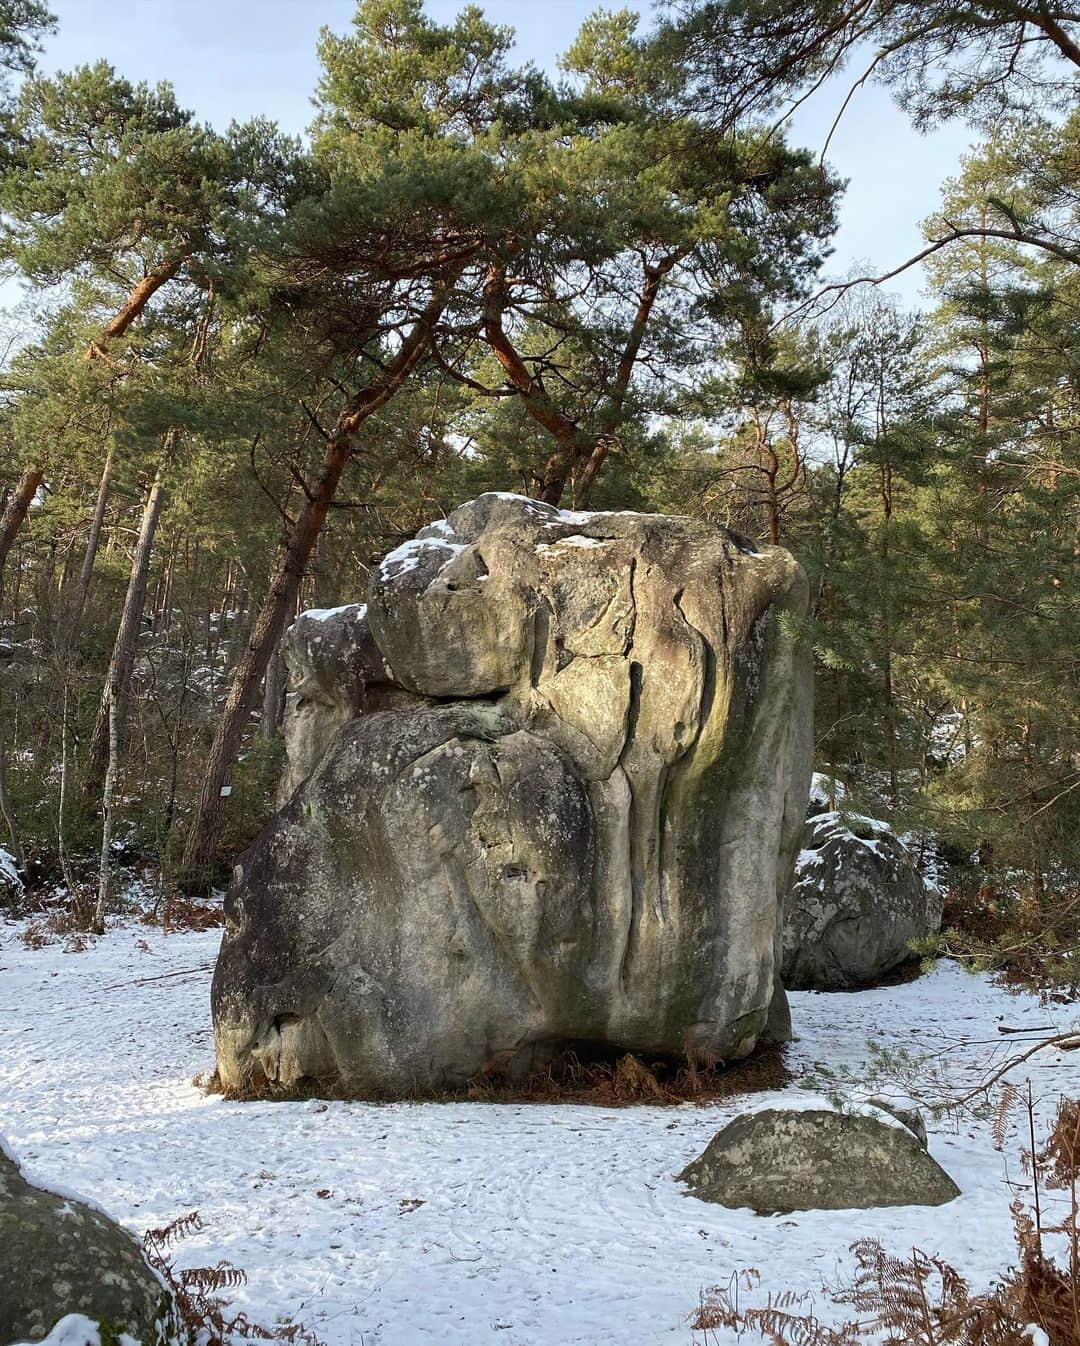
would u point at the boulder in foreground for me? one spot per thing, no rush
(61, 1257)
(779, 1160)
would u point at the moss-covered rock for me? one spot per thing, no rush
(779, 1160)
(61, 1256)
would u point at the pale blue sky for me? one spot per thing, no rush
(237, 58)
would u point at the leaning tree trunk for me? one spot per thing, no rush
(93, 541)
(200, 850)
(17, 507)
(122, 662)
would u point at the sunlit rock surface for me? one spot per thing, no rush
(547, 789)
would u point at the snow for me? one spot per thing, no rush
(73, 1330)
(473, 1224)
(837, 826)
(357, 610)
(50, 1184)
(575, 540)
(9, 871)
(408, 556)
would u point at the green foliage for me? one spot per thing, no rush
(944, 58)
(609, 252)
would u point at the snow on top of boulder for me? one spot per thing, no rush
(327, 614)
(56, 1188)
(9, 871)
(75, 1329)
(854, 1104)
(440, 526)
(842, 827)
(574, 540)
(407, 557)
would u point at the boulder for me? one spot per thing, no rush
(857, 903)
(779, 1160)
(61, 1256)
(565, 816)
(11, 884)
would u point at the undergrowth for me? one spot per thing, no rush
(57, 916)
(1027, 938)
(624, 1081)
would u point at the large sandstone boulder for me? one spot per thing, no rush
(779, 1160)
(60, 1256)
(857, 904)
(566, 815)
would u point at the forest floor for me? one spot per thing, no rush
(471, 1223)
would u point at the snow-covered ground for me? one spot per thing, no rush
(463, 1224)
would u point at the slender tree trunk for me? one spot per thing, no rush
(5, 803)
(61, 808)
(201, 844)
(200, 850)
(17, 507)
(164, 618)
(86, 574)
(118, 680)
(108, 795)
(237, 628)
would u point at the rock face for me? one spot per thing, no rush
(777, 1161)
(61, 1257)
(547, 790)
(336, 672)
(857, 903)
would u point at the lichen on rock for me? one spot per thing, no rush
(66, 1264)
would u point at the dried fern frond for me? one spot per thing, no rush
(205, 1280)
(1008, 1103)
(182, 1227)
(1059, 1158)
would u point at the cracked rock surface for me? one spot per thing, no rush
(546, 789)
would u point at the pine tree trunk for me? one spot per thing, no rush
(86, 574)
(122, 662)
(17, 508)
